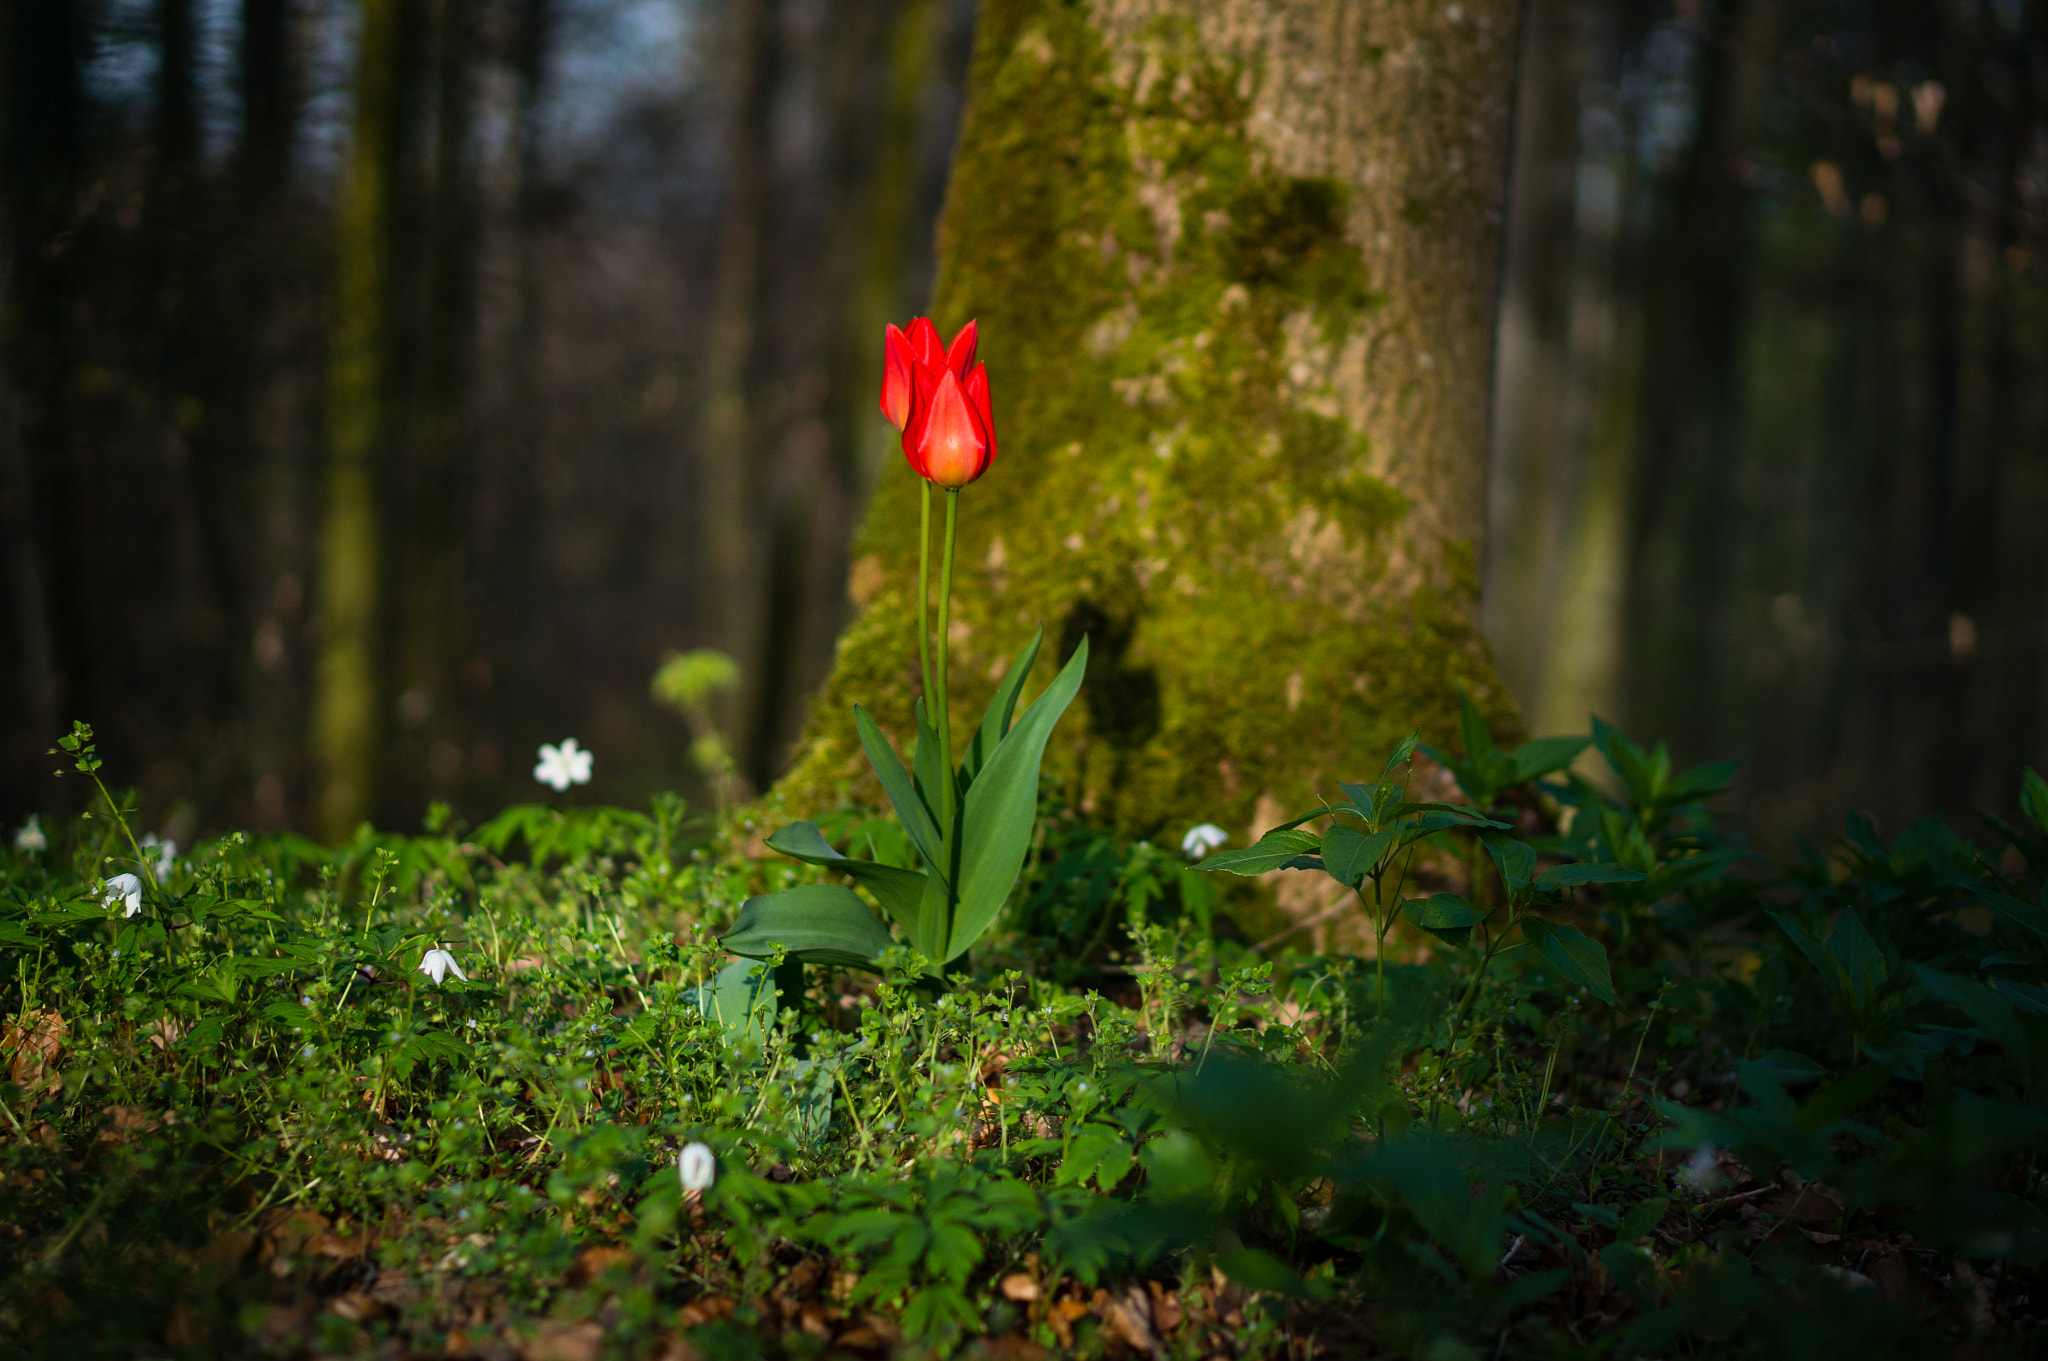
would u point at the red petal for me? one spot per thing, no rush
(952, 444)
(897, 387)
(976, 389)
(960, 354)
(924, 339)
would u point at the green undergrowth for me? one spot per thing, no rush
(241, 1121)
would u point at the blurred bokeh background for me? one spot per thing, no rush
(584, 378)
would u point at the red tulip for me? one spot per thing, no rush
(951, 437)
(914, 359)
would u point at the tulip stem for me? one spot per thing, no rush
(924, 593)
(943, 720)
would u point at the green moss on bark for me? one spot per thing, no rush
(1160, 313)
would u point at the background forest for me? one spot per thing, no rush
(325, 504)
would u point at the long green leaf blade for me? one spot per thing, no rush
(815, 923)
(995, 721)
(910, 810)
(1273, 851)
(1000, 808)
(899, 891)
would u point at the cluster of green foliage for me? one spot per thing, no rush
(1611, 1088)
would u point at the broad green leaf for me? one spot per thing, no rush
(815, 923)
(1444, 915)
(1991, 1010)
(1349, 854)
(1824, 963)
(899, 891)
(1402, 752)
(910, 809)
(2034, 798)
(924, 771)
(1573, 876)
(1472, 729)
(1642, 1218)
(1258, 1270)
(740, 997)
(1576, 955)
(1862, 962)
(1546, 756)
(2026, 996)
(1516, 860)
(1273, 851)
(934, 920)
(1701, 782)
(995, 721)
(1001, 807)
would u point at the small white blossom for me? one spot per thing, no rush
(697, 1166)
(30, 837)
(1201, 840)
(123, 886)
(166, 855)
(437, 964)
(1702, 1171)
(563, 766)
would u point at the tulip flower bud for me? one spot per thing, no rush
(953, 441)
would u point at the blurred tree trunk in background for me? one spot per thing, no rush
(875, 57)
(42, 47)
(428, 500)
(347, 714)
(730, 427)
(1235, 268)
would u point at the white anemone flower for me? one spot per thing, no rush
(563, 766)
(166, 855)
(30, 837)
(697, 1166)
(1702, 1171)
(1201, 840)
(123, 886)
(437, 964)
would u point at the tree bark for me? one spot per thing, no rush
(1235, 267)
(346, 727)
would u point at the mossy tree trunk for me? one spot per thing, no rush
(346, 727)
(1235, 266)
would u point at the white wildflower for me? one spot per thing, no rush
(30, 837)
(1702, 1171)
(563, 766)
(697, 1166)
(1201, 840)
(437, 964)
(166, 855)
(123, 886)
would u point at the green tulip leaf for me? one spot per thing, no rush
(740, 997)
(910, 809)
(934, 920)
(899, 891)
(1001, 807)
(1444, 915)
(995, 721)
(924, 773)
(1575, 955)
(815, 923)
(1275, 850)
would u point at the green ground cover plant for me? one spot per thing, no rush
(1612, 1086)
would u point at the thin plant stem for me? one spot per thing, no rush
(924, 592)
(943, 720)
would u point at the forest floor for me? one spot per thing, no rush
(1795, 1110)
